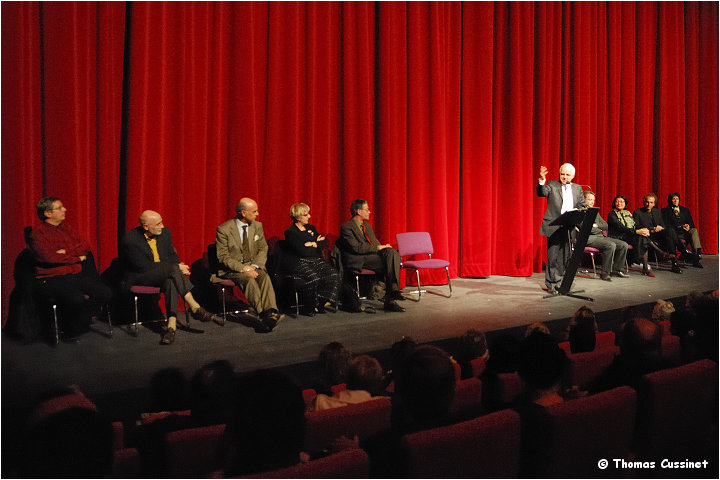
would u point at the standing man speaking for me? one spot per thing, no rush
(562, 196)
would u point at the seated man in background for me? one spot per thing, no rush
(649, 220)
(149, 258)
(242, 254)
(680, 225)
(361, 249)
(614, 251)
(65, 269)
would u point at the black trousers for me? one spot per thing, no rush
(558, 253)
(70, 292)
(387, 262)
(171, 281)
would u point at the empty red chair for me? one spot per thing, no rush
(468, 396)
(578, 433)
(509, 388)
(484, 447)
(671, 349)
(478, 366)
(126, 464)
(361, 419)
(351, 463)
(583, 368)
(677, 411)
(191, 453)
(118, 435)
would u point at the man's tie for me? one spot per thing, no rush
(245, 241)
(362, 225)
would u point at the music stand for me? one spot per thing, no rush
(572, 218)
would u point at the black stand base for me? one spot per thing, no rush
(571, 294)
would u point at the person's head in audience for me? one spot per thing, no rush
(471, 345)
(66, 437)
(424, 386)
(641, 343)
(267, 431)
(537, 326)
(211, 389)
(364, 373)
(541, 367)
(662, 310)
(504, 358)
(582, 331)
(334, 360)
(168, 388)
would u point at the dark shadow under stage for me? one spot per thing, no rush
(116, 371)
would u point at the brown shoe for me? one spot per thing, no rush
(168, 336)
(271, 318)
(205, 316)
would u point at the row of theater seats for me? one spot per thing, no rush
(672, 415)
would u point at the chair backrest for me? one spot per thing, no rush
(671, 350)
(192, 452)
(414, 243)
(603, 340)
(361, 419)
(583, 368)
(478, 366)
(126, 464)
(350, 463)
(677, 411)
(468, 397)
(484, 447)
(582, 431)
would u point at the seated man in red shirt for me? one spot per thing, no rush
(65, 269)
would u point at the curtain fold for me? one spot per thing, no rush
(440, 114)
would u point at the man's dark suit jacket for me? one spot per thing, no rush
(354, 245)
(137, 257)
(675, 221)
(553, 191)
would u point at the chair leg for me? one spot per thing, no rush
(55, 324)
(592, 259)
(357, 285)
(136, 325)
(447, 272)
(297, 301)
(222, 293)
(109, 319)
(417, 275)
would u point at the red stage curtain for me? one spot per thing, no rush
(439, 114)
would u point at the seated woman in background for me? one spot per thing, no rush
(321, 281)
(622, 225)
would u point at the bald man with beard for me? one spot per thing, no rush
(149, 259)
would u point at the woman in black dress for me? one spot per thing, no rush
(321, 282)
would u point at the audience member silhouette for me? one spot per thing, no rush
(537, 326)
(424, 390)
(581, 331)
(168, 388)
(363, 379)
(334, 360)
(268, 427)
(399, 351)
(640, 353)
(541, 367)
(471, 345)
(66, 437)
(504, 359)
(212, 390)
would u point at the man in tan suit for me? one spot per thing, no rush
(242, 253)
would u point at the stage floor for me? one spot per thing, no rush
(104, 366)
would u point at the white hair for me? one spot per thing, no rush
(569, 166)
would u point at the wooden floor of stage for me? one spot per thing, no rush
(110, 367)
